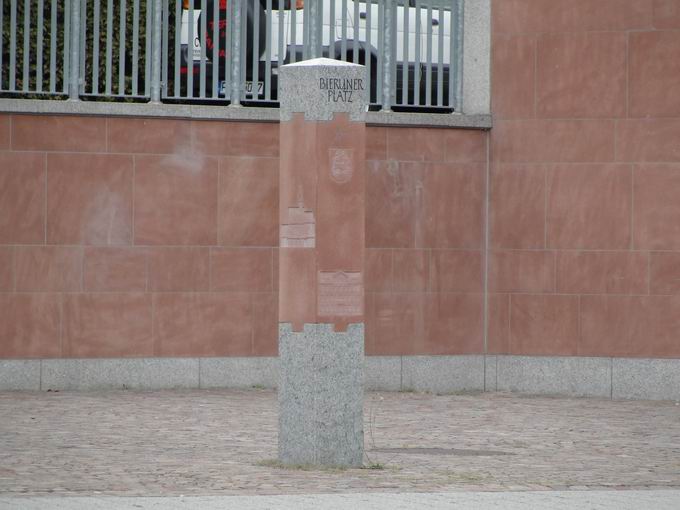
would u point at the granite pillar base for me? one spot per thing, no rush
(321, 395)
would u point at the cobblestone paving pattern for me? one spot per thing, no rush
(171, 443)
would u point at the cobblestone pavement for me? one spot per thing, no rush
(172, 443)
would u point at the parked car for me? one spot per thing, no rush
(356, 16)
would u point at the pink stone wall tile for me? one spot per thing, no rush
(235, 138)
(393, 192)
(644, 326)
(265, 324)
(522, 271)
(654, 74)
(6, 268)
(4, 131)
(115, 269)
(175, 200)
(453, 324)
(202, 324)
(514, 76)
(378, 268)
(498, 334)
(154, 136)
(568, 141)
(398, 324)
(248, 201)
(30, 325)
(451, 211)
(664, 269)
(656, 207)
(577, 15)
(602, 272)
(48, 268)
(376, 142)
(544, 325)
(369, 324)
(666, 14)
(648, 140)
(589, 206)
(22, 198)
(456, 271)
(416, 144)
(89, 199)
(107, 325)
(581, 75)
(58, 133)
(173, 269)
(517, 208)
(465, 145)
(241, 269)
(411, 270)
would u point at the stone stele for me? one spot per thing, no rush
(321, 262)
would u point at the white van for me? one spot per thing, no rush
(346, 20)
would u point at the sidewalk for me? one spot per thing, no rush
(223, 443)
(553, 500)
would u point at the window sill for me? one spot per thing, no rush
(227, 113)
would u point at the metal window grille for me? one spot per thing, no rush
(228, 51)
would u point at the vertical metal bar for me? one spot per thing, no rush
(178, 52)
(388, 25)
(216, 48)
(13, 45)
(164, 56)
(416, 67)
(381, 57)
(228, 50)
(74, 60)
(405, 59)
(268, 53)
(311, 17)
(428, 72)
(156, 50)
(148, 37)
(256, 54)
(95, 48)
(305, 30)
(39, 45)
(53, 47)
(355, 45)
(190, 51)
(293, 30)
(2, 36)
(369, 35)
(440, 60)
(282, 29)
(236, 54)
(135, 44)
(27, 45)
(331, 30)
(201, 37)
(109, 47)
(459, 54)
(83, 46)
(244, 47)
(121, 48)
(343, 51)
(67, 47)
(453, 33)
